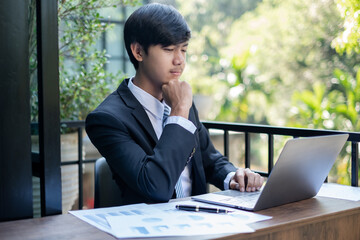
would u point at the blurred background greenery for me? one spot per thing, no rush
(291, 63)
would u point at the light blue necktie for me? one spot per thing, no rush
(178, 187)
(166, 114)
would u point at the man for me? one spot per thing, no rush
(148, 129)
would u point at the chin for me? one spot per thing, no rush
(168, 80)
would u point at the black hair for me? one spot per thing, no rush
(154, 24)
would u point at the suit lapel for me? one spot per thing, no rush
(138, 110)
(198, 175)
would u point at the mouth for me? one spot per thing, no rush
(176, 72)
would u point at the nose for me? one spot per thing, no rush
(179, 57)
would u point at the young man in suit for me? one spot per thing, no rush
(149, 130)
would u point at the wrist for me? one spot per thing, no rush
(180, 111)
(228, 179)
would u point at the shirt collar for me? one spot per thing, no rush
(150, 103)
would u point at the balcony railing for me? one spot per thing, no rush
(247, 129)
(271, 131)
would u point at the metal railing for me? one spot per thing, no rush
(247, 129)
(79, 127)
(271, 131)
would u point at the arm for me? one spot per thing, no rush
(217, 167)
(150, 172)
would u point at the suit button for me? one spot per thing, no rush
(192, 153)
(191, 156)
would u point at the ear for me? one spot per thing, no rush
(137, 51)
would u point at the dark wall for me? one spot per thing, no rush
(49, 109)
(15, 148)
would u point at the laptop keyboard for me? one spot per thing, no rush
(246, 199)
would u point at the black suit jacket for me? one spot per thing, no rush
(145, 168)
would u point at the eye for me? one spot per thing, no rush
(184, 50)
(168, 49)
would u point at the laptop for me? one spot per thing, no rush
(299, 173)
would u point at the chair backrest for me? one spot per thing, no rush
(107, 192)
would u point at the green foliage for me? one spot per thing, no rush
(348, 40)
(83, 89)
(334, 107)
(277, 63)
(290, 45)
(335, 102)
(84, 82)
(311, 104)
(33, 61)
(209, 21)
(348, 105)
(291, 39)
(248, 98)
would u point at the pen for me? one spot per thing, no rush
(196, 208)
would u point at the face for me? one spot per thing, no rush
(162, 64)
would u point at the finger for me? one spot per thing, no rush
(257, 181)
(250, 187)
(261, 182)
(165, 89)
(240, 179)
(233, 184)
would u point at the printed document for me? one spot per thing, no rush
(159, 220)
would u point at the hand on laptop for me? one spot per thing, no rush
(245, 179)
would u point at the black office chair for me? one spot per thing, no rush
(107, 192)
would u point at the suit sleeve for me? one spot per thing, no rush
(216, 166)
(152, 175)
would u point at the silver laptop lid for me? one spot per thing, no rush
(301, 169)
